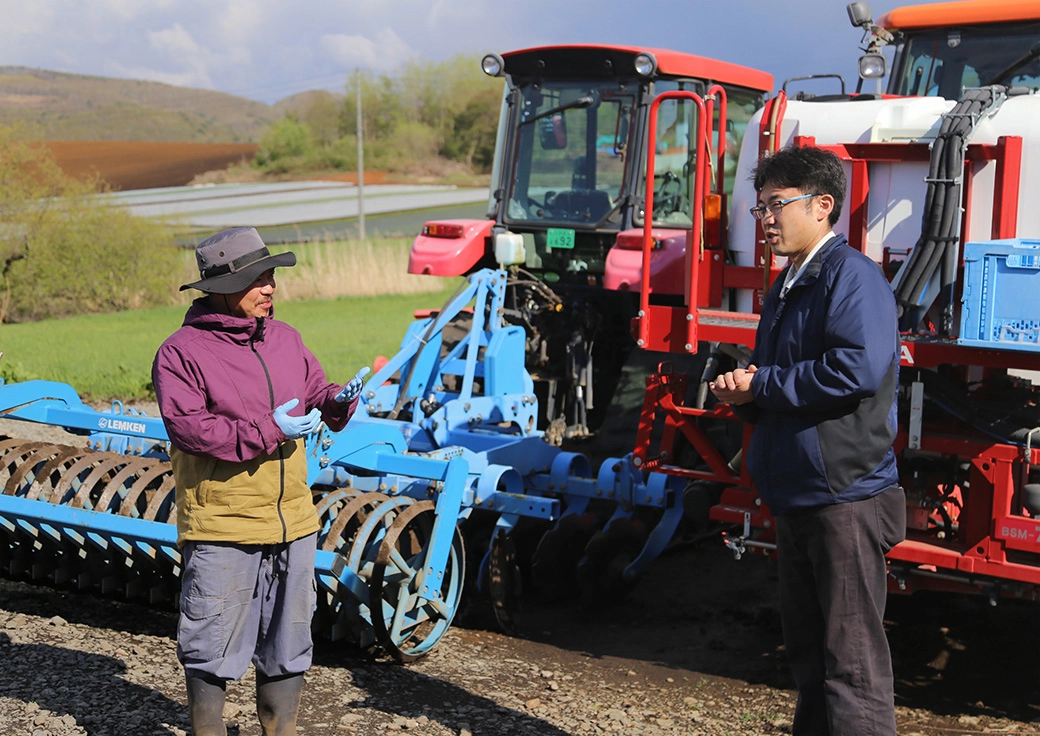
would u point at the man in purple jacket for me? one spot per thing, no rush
(820, 389)
(238, 391)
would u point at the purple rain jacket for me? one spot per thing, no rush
(218, 380)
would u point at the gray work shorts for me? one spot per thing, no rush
(242, 603)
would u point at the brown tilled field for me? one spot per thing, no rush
(144, 165)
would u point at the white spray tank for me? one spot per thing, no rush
(898, 188)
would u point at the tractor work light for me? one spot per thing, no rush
(442, 230)
(492, 65)
(645, 64)
(872, 66)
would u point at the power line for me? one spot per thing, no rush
(287, 88)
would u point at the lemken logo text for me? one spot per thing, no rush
(120, 425)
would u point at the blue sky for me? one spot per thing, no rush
(270, 49)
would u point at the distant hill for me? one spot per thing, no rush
(301, 102)
(59, 106)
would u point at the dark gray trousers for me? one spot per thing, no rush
(832, 604)
(246, 602)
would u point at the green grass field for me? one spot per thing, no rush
(109, 356)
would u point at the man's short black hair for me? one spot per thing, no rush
(809, 170)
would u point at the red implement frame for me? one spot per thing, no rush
(996, 548)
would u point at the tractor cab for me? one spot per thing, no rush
(570, 159)
(942, 49)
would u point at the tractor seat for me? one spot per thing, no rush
(591, 205)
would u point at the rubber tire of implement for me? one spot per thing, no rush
(504, 583)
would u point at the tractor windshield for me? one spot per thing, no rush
(572, 138)
(945, 62)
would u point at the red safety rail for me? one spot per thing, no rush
(769, 137)
(716, 224)
(693, 241)
(770, 124)
(678, 329)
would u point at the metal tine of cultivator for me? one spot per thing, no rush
(128, 534)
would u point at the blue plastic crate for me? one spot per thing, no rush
(1000, 305)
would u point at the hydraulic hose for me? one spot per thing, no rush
(938, 248)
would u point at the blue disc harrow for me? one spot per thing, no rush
(440, 484)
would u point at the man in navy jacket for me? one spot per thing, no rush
(820, 389)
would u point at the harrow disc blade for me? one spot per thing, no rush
(411, 607)
(504, 581)
(555, 561)
(601, 571)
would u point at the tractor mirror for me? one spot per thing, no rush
(621, 134)
(552, 132)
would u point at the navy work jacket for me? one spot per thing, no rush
(825, 409)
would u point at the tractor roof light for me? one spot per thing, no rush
(492, 65)
(872, 66)
(645, 64)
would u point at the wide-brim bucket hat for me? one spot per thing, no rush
(231, 260)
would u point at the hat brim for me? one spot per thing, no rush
(232, 283)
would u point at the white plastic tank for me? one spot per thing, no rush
(897, 189)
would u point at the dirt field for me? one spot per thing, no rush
(144, 165)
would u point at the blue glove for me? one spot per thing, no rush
(353, 388)
(295, 427)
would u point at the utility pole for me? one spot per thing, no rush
(360, 165)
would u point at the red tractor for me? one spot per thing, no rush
(566, 209)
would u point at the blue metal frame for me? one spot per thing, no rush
(411, 439)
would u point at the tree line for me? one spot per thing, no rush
(427, 117)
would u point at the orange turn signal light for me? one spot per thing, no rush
(712, 207)
(442, 230)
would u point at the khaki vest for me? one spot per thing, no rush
(262, 501)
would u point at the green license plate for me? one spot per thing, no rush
(559, 238)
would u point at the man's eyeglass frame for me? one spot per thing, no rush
(775, 208)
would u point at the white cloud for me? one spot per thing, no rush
(385, 53)
(24, 24)
(178, 48)
(242, 21)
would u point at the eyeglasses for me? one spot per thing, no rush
(775, 208)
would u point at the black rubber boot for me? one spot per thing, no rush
(278, 703)
(206, 706)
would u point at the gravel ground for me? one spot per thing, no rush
(695, 650)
